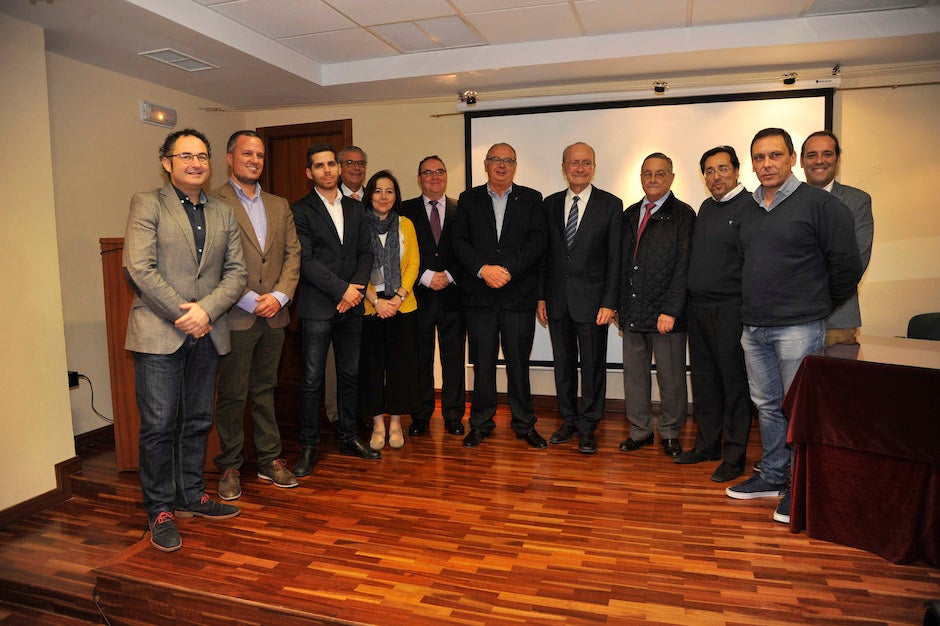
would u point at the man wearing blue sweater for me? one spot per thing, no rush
(801, 261)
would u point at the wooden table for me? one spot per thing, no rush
(865, 431)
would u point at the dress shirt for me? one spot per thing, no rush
(197, 219)
(731, 194)
(788, 187)
(658, 203)
(499, 207)
(335, 209)
(258, 217)
(346, 191)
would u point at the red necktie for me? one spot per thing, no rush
(646, 218)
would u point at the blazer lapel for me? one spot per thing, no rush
(174, 208)
(319, 209)
(213, 222)
(511, 203)
(273, 224)
(241, 215)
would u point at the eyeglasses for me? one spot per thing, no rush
(351, 162)
(504, 160)
(721, 169)
(658, 175)
(187, 157)
(582, 163)
(437, 172)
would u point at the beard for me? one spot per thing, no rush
(247, 180)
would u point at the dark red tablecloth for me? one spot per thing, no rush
(866, 441)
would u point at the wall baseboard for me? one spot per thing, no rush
(96, 437)
(61, 493)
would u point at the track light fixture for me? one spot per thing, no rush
(469, 97)
(660, 87)
(789, 78)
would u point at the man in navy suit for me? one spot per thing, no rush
(578, 292)
(335, 262)
(499, 238)
(438, 294)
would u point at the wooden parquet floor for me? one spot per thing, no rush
(435, 533)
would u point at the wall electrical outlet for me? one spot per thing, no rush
(73, 379)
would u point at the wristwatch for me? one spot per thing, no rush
(400, 296)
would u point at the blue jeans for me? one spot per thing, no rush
(344, 330)
(772, 355)
(175, 395)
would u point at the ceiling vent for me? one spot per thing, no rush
(178, 59)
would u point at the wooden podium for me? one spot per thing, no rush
(117, 306)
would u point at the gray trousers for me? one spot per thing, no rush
(669, 349)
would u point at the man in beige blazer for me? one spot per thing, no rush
(272, 254)
(183, 259)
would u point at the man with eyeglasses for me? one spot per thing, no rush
(657, 237)
(579, 288)
(499, 238)
(249, 371)
(719, 378)
(183, 259)
(438, 294)
(819, 158)
(800, 261)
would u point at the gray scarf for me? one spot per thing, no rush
(386, 267)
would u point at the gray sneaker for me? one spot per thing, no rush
(230, 486)
(163, 533)
(754, 487)
(207, 507)
(276, 471)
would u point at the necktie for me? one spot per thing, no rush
(354, 195)
(646, 218)
(571, 227)
(435, 222)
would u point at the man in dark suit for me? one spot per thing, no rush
(657, 238)
(272, 254)
(819, 158)
(183, 259)
(499, 238)
(579, 291)
(438, 294)
(335, 262)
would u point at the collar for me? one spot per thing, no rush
(583, 195)
(788, 187)
(184, 198)
(493, 194)
(731, 194)
(241, 192)
(659, 203)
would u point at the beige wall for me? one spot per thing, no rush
(891, 149)
(102, 153)
(37, 430)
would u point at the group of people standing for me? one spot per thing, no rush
(750, 282)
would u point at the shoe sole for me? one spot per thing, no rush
(165, 548)
(642, 445)
(227, 498)
(184, 514)
(587, 450)
(783, 519)
(277, 484)
(737, 495)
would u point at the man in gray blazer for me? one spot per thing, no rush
(272, 254)
(819, 158)
(183, 259)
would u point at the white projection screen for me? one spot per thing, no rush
(623, 133)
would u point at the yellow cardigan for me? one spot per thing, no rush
(410, 260)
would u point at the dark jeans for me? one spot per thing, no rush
(175, 393)
(249, 372)
(344, 331)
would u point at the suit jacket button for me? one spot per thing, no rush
(264, 260)
(437, 254)
(192, 299)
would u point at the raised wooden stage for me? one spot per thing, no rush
(435, 533)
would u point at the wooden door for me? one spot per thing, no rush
(285, 160)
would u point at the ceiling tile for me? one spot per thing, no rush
(452, 32)
(706, 12)
(372, 12)
(601, 17)
(479, 6)
(407, 37)
(526, 24)
(339, 46)
(285, 18)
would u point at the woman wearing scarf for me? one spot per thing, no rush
(388, 363)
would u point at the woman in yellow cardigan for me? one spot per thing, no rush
(388, 362)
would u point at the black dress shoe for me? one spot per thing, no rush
(587, 444)
(534, 439)
(632, 444)
(308, 458)
(454, 427)
(356, 447)
(563, 434)
(694, 456)
(417, 428)
(475, 438)
(726, 472)
(671, 447)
